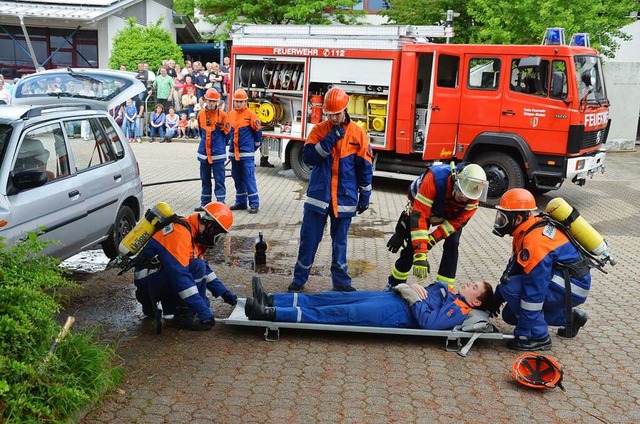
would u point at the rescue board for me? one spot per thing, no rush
(272, 330)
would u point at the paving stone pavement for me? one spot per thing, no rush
(231, 375)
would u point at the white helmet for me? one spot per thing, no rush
(472, 181)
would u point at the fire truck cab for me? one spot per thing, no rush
(531, 116)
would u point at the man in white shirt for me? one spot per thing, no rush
(5, 94)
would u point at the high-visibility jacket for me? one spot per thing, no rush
(433, 204)
(245, 134)
(536, 254)
(214, 126)
(341, 177)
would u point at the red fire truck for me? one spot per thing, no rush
(531, 115)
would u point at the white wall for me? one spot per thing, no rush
(622, 76)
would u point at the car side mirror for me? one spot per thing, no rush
(24, 180)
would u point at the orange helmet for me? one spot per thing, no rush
(537, 371)
(517, 199)
(220, 213)
(240, 95)
(212, 94)
(335, 101)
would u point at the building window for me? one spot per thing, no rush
(80, 51)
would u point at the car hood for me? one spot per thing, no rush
(99, 88)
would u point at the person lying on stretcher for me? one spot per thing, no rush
(434, 307)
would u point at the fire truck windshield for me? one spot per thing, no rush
(589, 78)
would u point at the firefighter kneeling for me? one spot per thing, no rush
(546, 277)
(177, 272)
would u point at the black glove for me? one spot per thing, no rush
(361, 208)
(218, 125)
(395, 243)
(494, 309)
(229, 297)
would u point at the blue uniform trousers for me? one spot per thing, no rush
(311, 231)
(361, 308)
(243, 173)
(206, 171)
(553, 309)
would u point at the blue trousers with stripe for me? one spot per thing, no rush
(243, 173)
(207, 170)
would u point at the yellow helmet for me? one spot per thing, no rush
(472, 181)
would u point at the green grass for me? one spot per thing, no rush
(80, 371)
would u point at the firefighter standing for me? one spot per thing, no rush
(447, 198)
(176, 271)
(533, 284)
(245, 137)
(339, 186)
(211, 154)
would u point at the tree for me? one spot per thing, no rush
(185, 7)
(224, 13)
(150, 44)
(522, 22)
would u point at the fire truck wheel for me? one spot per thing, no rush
(301, 169)
(503, 173)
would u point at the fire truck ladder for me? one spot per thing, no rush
(337, 36)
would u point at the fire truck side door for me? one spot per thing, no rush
(531, 111)
(443, 108)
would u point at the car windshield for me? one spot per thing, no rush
(96, 86)
(590, 81)
(5, 136)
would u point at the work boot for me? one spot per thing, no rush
(293, 288)
(259, 294)
(579, 320)
(238, 207)
(344, 288)
(199, 209)
(264, 162)
(255, 311)
(530, 345)
(253, 209)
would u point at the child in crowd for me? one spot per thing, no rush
(183, 124)
(192, 131)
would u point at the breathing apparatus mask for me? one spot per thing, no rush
(212, 234)
(505, 222)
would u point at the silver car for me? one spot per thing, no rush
(66, 169)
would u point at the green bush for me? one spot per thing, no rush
(150, 44)
(80, 371)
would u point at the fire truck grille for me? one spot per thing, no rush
(592, 138)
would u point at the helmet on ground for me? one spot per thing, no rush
(240, 95)
(537, 371)
(217, 219)
(517, 199)
(212, 94)
(472, 181)
(335, 101)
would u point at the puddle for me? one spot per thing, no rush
(238, 251)
(87, 262)
(370, 229)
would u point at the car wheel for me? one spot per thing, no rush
(125, 221)
(503, 173)
(300, 168)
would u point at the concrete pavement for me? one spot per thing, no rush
(231, 375)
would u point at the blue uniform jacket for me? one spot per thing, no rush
(442, 310)
(245, 134)
(342, 172)
(536, 254)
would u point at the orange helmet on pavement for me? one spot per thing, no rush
(517, 199)
(335, 101)
(212, 94)
(537, 371)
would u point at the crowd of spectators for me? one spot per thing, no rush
(174, 96)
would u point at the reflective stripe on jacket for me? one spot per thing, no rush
(340, 178)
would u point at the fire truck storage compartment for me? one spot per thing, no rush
(366, 81)
(275, 89)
